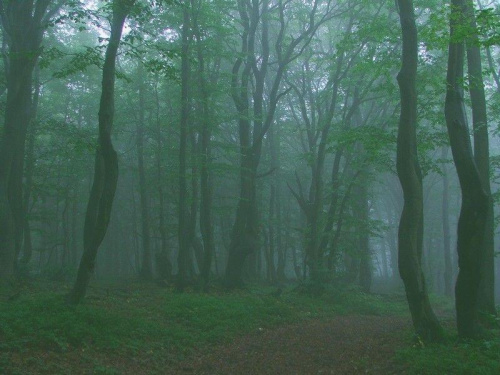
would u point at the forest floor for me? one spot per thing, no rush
(144, 329)
(350, 344)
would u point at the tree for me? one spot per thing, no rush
(147, 266)
(184, 238)
(486, 302)
(411, 223)
(24, 24)
(252, 70)
(475, 199)
(106, 161)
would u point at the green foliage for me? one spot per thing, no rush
(461, 358)
(177, 322)
(46, 321)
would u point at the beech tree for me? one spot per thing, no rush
(23, 24)
(410, 236)
(106, 161)
(475, 198)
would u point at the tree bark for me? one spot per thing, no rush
(184, 242)
(163, 263)
(366, 264)
(106, 162)
(486, 298)
(24, 24)
(206, 190)
(475, 200)
(147, 265)
(29, 170)
(411, 223)
(445, 212)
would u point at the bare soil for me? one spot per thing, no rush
(344, 345)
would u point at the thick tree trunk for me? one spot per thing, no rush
(486, 298)
(475, 200)
(22, 21)
(106, 162)
(29, 170)
(411, 224)
(244, 236)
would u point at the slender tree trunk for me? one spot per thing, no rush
(74, 236)
(445, 212)
(486, 298)
(195, 244)
(147, 265)
(272, 237)
(411, 224)
(472, 222)
(184, 242)
(206, 189)
(106, 162)
(365, 267)
(164, 265)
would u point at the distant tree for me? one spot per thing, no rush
(183, 235)
(147, 265)
(250, 75)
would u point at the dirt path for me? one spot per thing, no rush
(344, 345)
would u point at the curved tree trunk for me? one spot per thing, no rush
(486, 296)
(106, 162)
(475, 200)
(411, 224)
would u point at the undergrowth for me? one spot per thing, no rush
(123, 326)
(453, 357)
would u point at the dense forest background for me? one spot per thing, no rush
(257, 141)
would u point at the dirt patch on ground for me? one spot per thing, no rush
(344, 345)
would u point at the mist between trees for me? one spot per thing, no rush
(197, 143)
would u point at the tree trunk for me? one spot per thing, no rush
(29, 170)
(25, 24)
(365, 267)
(445, 211)
(147, 265)
(184, 243)
(486, 298)
(206, 190)
(163, 263)
(411, 224)
(475, 200)
(106, 162)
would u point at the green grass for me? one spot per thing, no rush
(457, 358)
(153, 318)
(39, 333)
